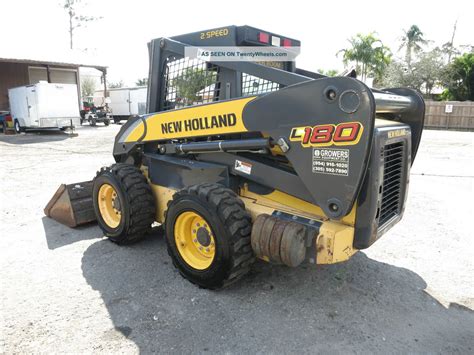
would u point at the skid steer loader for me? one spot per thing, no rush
(258, 160)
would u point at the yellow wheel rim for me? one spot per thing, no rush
(194, 239)
(110, 206)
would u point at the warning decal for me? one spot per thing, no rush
(331, 161)
(243, 167)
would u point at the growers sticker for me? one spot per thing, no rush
(331, 161)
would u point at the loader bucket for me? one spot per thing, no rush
(72, 204)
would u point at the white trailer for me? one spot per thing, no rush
(44, 106)
(126, 102)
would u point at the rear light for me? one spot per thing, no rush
(264, 37)
(286, 43)
(275, 41)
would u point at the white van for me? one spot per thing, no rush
(44, 106)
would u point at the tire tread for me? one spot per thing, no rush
(231, 211)
(139, 196)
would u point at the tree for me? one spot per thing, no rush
(449, 51)
(428, 70)
(75, 19)
(459, 78)
(115, 84)
(142, 82)
(369, 55)
(423, 75)
(412, 41)
(329, 72)
(88, 86)
(190, 82)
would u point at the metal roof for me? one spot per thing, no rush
(64, 58)
(127, 88)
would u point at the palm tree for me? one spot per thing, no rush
(368, 54)
(412, 40)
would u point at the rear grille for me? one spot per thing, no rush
(392, 181)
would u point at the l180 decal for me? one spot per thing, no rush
(325, 135)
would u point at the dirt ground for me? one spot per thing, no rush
(71, 291)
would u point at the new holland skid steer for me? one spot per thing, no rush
(239, 160)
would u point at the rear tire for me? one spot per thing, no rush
(228, 227)
(17, 127)
(124, 189)
(106, 121)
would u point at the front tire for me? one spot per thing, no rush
(123, 203)
(106, 121)
(208, 235)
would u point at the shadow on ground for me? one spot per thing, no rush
(32, 137)
(58, 235)
(362, 305)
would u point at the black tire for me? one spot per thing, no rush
(82, 121)
(231, 227)
(92, 121)
(136, 200)
(106, 121)
(17, 127)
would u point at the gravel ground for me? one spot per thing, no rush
(71, 291)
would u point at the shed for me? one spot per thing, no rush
(20, 70)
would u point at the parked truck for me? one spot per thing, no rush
(44, 106)
(127, 102)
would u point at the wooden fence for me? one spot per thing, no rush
(451, 115)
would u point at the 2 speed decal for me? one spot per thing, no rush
(325, 135)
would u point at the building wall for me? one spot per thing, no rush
(11, 75)
(20, 74)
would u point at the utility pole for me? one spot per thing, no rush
(452, 42)
(70, 27)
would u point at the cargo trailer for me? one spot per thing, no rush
(127, 102)
(44, 106)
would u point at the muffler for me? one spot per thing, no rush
(279, 241)
(72, 204)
